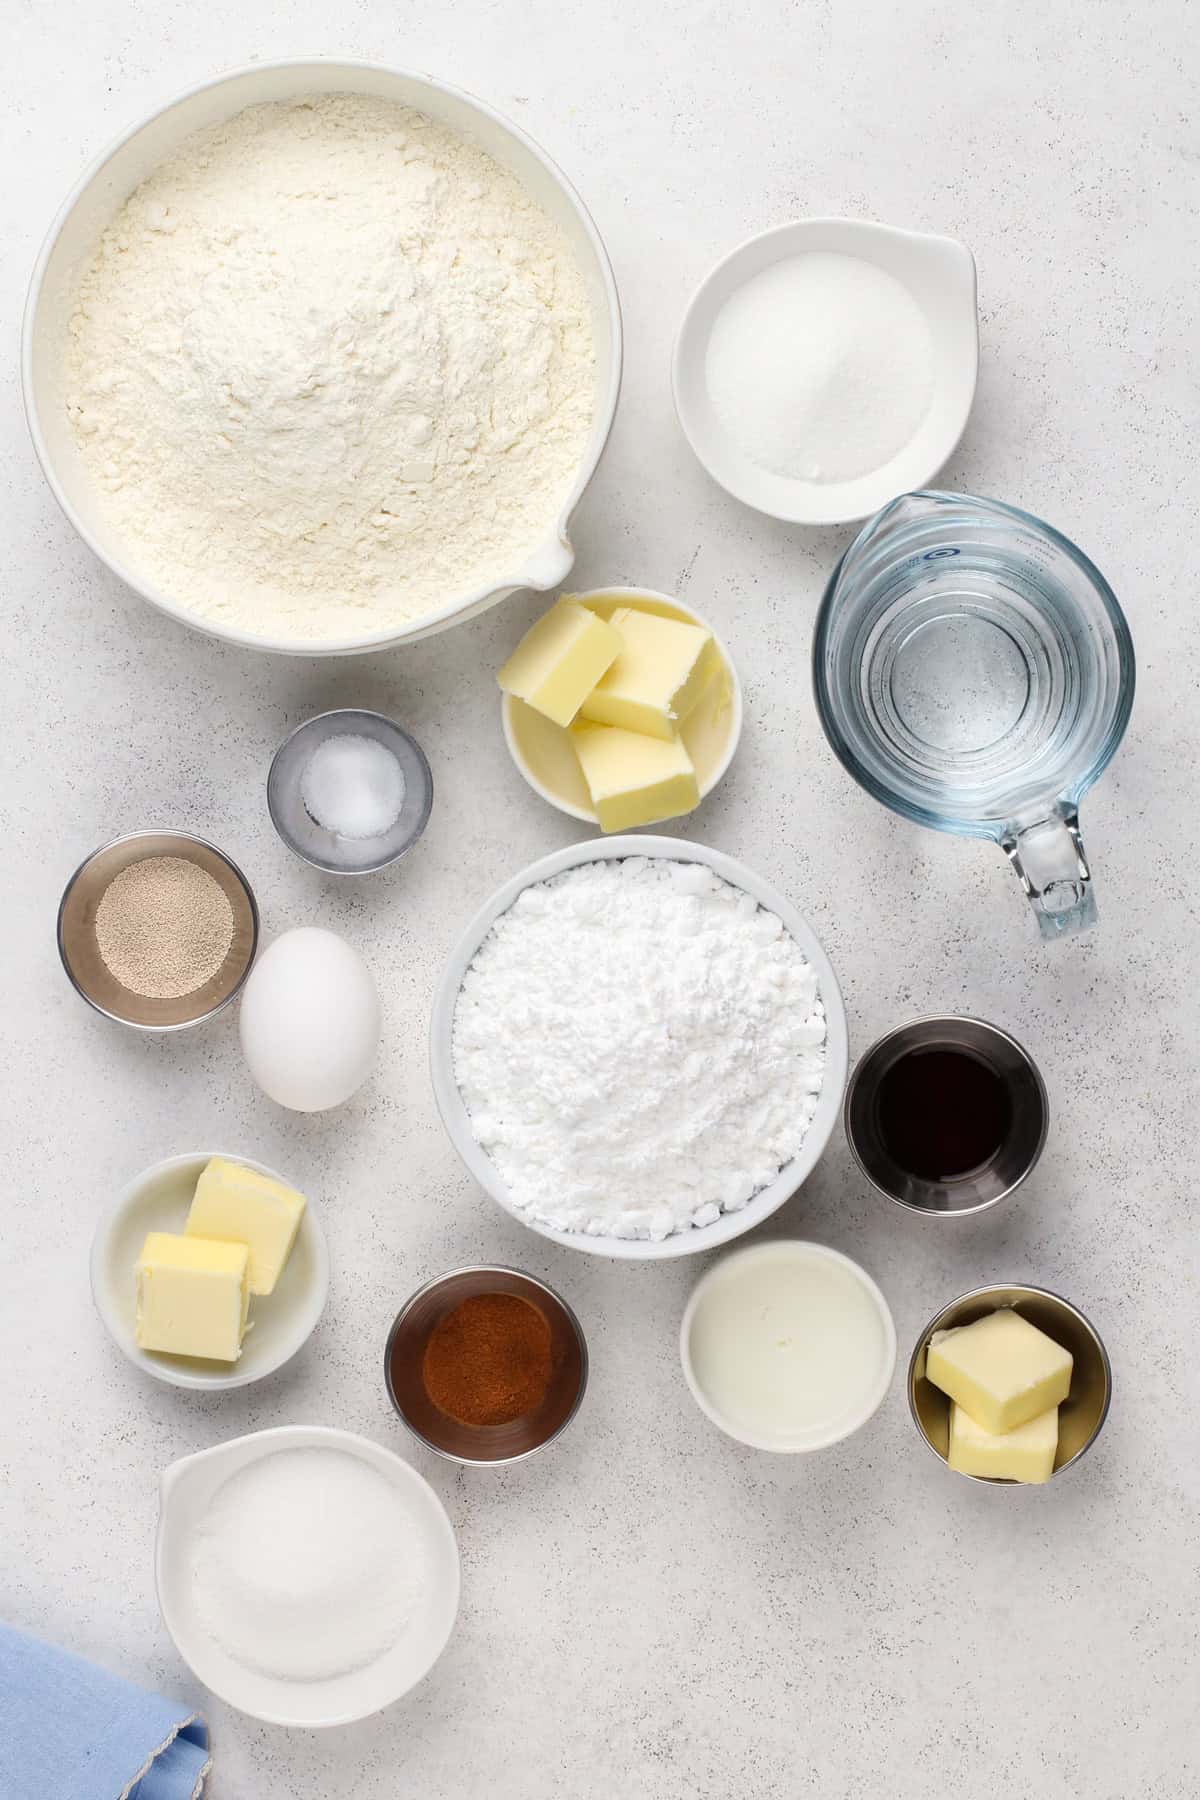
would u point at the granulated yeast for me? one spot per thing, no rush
(164, 926)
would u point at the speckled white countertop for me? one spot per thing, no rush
(651, 1610)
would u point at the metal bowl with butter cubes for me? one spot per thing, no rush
(1009, 1385)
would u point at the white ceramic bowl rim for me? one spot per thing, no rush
(177, 1374)
(543, 570)
(852, 1422)
(632, 594)
(956, 348)
(452, 1108)
(266, 1443)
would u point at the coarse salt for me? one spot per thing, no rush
(353, 786)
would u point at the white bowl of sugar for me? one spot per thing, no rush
(307, 1576)
(828, 365)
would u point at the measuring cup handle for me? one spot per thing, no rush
(1052, 868)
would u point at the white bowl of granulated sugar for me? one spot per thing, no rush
(307, 1576)
(825, 366)
(321, 357)
(639, 1048)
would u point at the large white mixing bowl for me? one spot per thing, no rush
(105, 187)
(457, 1120)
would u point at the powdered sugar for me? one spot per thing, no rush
(330, 368)
(640, 1047)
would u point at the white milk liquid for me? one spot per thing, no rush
(787, 1343)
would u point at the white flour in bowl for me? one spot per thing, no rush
(640, 1047)
(331, 367)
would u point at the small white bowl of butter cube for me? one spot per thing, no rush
(210, 1271)
(621, 707)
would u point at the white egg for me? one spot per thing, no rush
(310, 1020)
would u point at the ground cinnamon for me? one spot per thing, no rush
(488, 1361)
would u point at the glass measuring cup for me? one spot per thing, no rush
(974, 672)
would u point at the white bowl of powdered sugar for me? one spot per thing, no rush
(307, 1576)
(321, 357)
(639, 1048)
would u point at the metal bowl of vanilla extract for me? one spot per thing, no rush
(947, 1116)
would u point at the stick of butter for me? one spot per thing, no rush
(560, 659)
(1001, 1370)
(662, 670)
(1026, 1454)
(241, 1206)
(192, 1296)
(634, 780)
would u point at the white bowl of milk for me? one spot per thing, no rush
(788, 1346)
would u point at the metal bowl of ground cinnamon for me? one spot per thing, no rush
(158, 930)
(486, 1365)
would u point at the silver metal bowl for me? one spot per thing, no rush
(91, 977)
(975, 1190)
(1081, 1415)
(484, 1445)
(328, 850)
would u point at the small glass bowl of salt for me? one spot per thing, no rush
(349, 791)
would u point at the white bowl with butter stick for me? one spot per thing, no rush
(546, 749)
(208, 1288)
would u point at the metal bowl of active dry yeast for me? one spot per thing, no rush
(158, 930)
(537, 556)
(744, 1213)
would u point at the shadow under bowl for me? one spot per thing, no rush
(79, 949)
(1081, 1415)
(483, 1444)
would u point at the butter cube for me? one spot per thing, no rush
(634, 780)
(662, 670)
(560, 659)
(243, 1207)
(1001, 1370)
(1024, 1454)
(192, 1296)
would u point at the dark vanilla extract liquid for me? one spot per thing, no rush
(942, 1113)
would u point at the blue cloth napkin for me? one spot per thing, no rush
(71, 1731)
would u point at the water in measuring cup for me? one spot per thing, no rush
(967, 682)
(976, 681)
